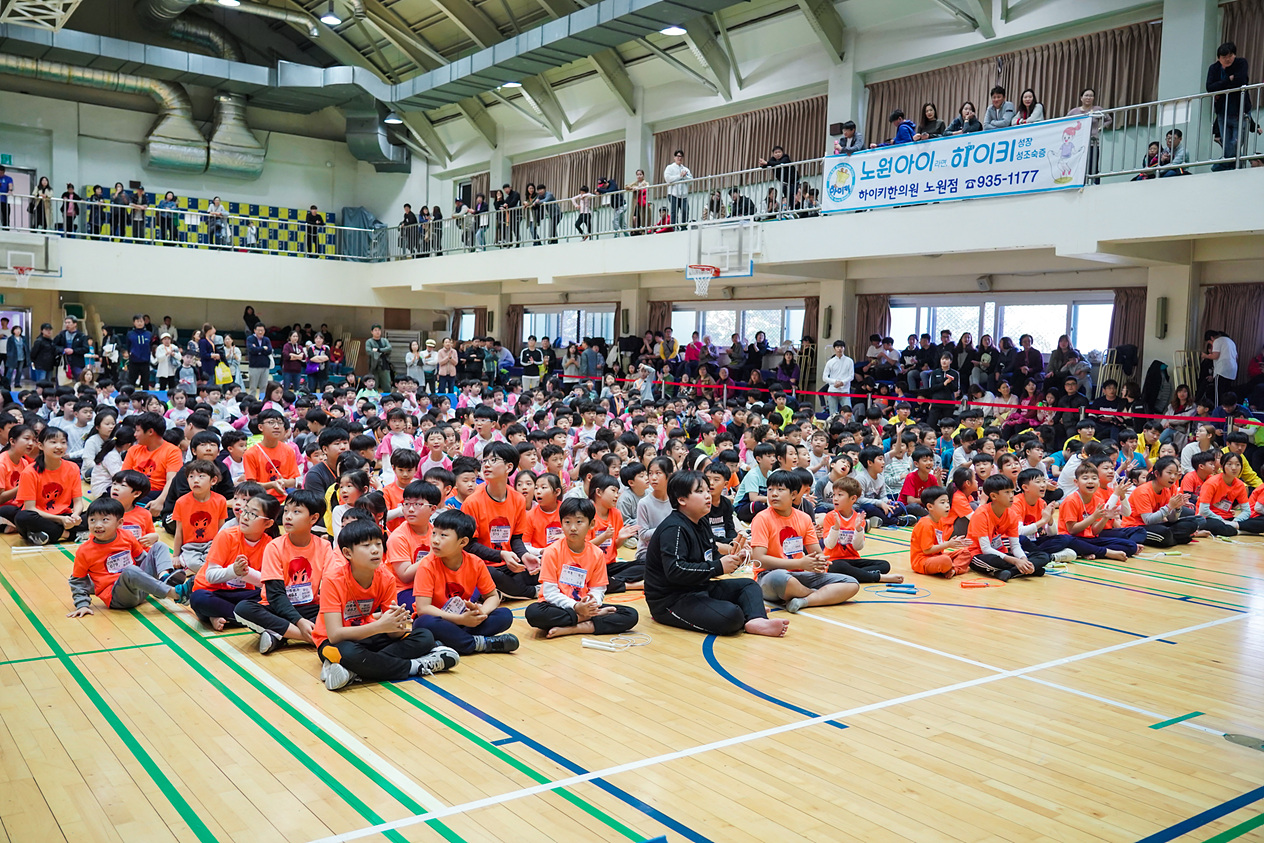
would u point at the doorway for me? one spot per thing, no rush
(20, 198)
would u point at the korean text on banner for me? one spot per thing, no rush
(1032, 158)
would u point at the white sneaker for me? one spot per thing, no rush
(873, 523)
(439, 659)
(335, 676)
(1065, 555)
(269, 642)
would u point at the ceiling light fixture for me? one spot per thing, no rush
(392, 119)
(330, 17)
(512, 85)
(230, 3)
(672, 30)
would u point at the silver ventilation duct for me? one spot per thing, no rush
(233, 150)
(159, 14)
(208, 35)
(174, 142)
(368, 141)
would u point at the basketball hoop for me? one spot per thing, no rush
(701, 275)
(23, 274)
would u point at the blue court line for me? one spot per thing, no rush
(1019, 612)
(562, 761)
(708, 650)
(1210, 815)
(504, 741)
(1183, 599)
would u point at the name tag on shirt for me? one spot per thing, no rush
(237, 584)
(845, 536)
(116, 562)
(134, 529)
(455, 605)
(573, 576)
(355, 612)
(792, 547)
(300, 593)
(706, 556)
(717, 529)
(500, 534)
(551, 534)
(1225, 504)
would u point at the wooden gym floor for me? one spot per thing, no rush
(1091, 705)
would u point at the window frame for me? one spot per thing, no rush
(740, 307)
(926, 304)
(580, 310)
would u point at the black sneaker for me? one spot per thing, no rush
(1004, 576)
(174, 577)
(37, 538)
(506, 642)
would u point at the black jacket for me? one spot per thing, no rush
(682, 559)
(44, 354)
(1228, 79)
(78, 346)
(743, 207)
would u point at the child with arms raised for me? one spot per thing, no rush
(843, 537)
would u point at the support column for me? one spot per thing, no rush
(839, 296)
(499, 165)
(1179, 285)
(638, 142)
(846, 91)
(636, 302)
(1191, 33)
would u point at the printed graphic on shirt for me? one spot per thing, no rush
(200, 524)
(499, 532)
(298, 581)
(791, 543)
(49, 494)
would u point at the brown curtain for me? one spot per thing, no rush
(511, 331)
(480, 183)
(659, 315)
(873, 316)
(480, 322)
(456, 325)
(566, 174)
(1235, 309)
(1244, 26)
(1127, 322)
(735, 143)
(811, 317)
(1121, 65)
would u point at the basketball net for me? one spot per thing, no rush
(701, 275)
(23, 274)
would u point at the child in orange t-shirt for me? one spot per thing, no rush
(106, 564)
(573, 582)
(1254, 524)
(198, 514)
(23, 445)
(1222, 502)
(455, 597)
(608, 532)
(361, 632)
(231, 574)
(271, 461)
(49, 494)
(409, 543)
(842, 533)
(404, 462)
(962, 491)
(291, 572)
(934, 549)
(542, 525)
(995, 549)
(1089, 513)
(127, 487)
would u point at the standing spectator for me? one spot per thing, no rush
(139, 340)
(337, 357)
(1000, 114)
(610, 187)
(293, 361)
(640, 190)
(72, 344)
(590, 363)
(314, 222)
(500, 209)
(42, 205)
(139, 208)
(317, 363)
(1101, 120)
(482, 217)
(69, 208)
(966, 121)
(677, 176)
(429, 365)
(248, 317)
(583, 204)
(120, 202)
(258, 355)
(930, 126)
(1228, 73)
(513, 218)
(551, 209)
(232, 356)
(1029, 109)
(531, 208)
(436, 230)
(446, 367)
(208, 352)
(851, 141)
(413, 364)
(840, 371)
(167, 361)
(44, 354)
(217, 222)
(532, 361)
(379, 350)
(904, 129)
(6, 188)
(1224, 363)
(167, 218)
(96, 211)
(18, 357)
(409, 234)
(782, 169)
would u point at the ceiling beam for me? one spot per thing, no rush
(706, 48)
(338, 48)
(678, 64)
(399, 33)
(527, 112)
(427, 135)
(956, 13)
(827, 24)
(981, 11)
(541, 97)
(475, 112)
(473, 21)
(609, 66)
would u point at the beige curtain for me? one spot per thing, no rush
(873, 316)
(480, 322)
(481, 183)
(659, 315)
(1235, 309)
(811, 318)
(1120, 65)
(735, 143)
(1244, 26)
(1127, 321)
(511, 331)
(566, 174)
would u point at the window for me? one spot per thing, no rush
(778, 320)
(1090, 330)
(1045, 323)
(567, 325)
(684, 323)
(1085, 318)
(465, 331)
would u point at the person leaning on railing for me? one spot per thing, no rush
(69, 208)
(640, 190)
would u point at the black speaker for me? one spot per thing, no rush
(836, 129)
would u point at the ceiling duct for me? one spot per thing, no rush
(174, 142)
(368, 140)
(206, 34)
(233, 150)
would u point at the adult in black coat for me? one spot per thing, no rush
(72, 344)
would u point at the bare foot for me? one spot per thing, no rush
(1202, 534)
(635, 586)
(217, 624)
(896, 578)
(585, 628)
(1117, 555)
(771, 627)
(950, 573)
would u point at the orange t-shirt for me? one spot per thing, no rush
(138, 522)
(785, 536)
(614, 523)
(1192, 485)
(1221, 496)
(541, 528)
(394, 497)
(847, 527)
(436, 583)
(1075, 510)
(266, 465)
(1143, 501)
(960, 506)
(225, 548)
(300, 569)
(10, 473)
(927, 534)
(341, 594)
(497, 521)
(404, 545)
(156, 465)
(102, 563)
(53, 490)
(1257, 502)
(200, 520)
(985, 522)
(573, 573)
(1028, 513)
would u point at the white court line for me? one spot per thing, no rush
(546, 787)
(318, 717)
(1116, 703)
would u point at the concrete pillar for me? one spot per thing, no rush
(499, 166)
(846, 90)
(1191, 33)
(638, 150)
(1179, 286)
(636, 302)
(838, 302)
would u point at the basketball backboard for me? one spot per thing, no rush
(730, 245)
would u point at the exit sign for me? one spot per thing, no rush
(6, 160)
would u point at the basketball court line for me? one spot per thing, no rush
(764, 733)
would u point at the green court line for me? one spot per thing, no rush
(1238, 830)
(299, 754)
(1176, 720)
(227, 634)
(83, 653)
(1156, 591)
(165, 785)
(1197, 568)
(534, 775)
(1175, 578)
